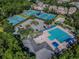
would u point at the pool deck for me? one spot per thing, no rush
(44, 38)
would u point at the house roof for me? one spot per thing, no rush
(33, 47)
(44, 54)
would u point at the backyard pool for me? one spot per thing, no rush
(55, 44)
(58, 34)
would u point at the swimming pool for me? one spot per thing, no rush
(55, 44)
(58, 34)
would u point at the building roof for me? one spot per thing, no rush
(76, 4)
(43, 54)
(30, 43)
(42, 51)
(72, 10)
(62, 10)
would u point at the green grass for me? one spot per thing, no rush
(1, 29)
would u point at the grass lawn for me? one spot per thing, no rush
(1, 29)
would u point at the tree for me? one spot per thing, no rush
(51, 2)
(46, 9)
(11, 7)
(7, 27)
(9, 47)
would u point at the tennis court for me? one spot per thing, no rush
(15, 19)
(31, 12)
(46, 16)
(19, 18)
(39, 14)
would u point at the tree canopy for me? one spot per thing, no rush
(12, 7)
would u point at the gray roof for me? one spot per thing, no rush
(42, 51)
(30, 43)
(43, 54)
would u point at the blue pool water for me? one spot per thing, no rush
(71, 40)
(55, 44)
(58, 34)
(15, 19)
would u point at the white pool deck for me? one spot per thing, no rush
(44, 38)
